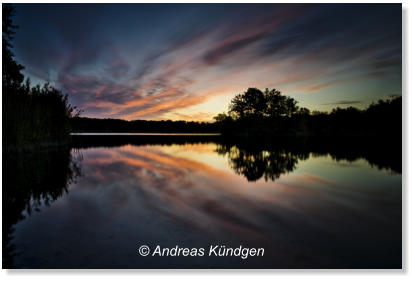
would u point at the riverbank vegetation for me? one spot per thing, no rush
(30, 114)
(96, 125)
(270, 113)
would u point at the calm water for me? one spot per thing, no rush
(92, 207)
(145, 134)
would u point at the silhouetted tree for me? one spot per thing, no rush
(251, 103)
(278, 105)
(30, 114)
(303, 111)
(12, 77)
(270, 113)
(255, 104)
(221, 117)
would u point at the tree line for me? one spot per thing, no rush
(31, 114)
(96, 125)
(268, 112)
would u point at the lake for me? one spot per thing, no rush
(308, 204)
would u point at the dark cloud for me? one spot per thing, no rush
(214, 55)
(344, 102)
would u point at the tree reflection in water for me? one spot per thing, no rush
(36, 178)
(32, 179)
(255, 163)
(271, 159)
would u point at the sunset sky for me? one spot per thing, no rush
(171, 61)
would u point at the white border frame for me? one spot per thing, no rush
(309, 275)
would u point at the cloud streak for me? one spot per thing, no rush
(344, 102)
(187, 61)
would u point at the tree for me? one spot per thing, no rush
(30, 114)
(303, 111)
(12, 77)
(255, 103)
(279, 105)
(251, 103)
(221, 117)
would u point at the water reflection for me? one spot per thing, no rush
(32, 179)
(303, 202)
(257, 163)
(270, 160)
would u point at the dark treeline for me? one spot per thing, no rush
(30, 114)
(84, 124)
(270, 113)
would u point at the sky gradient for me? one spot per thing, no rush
(186, 62)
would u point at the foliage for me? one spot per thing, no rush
(30, 114)
(257, 104)
(270, 113)
(12, 77)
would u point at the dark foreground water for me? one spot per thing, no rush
(308, 205)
